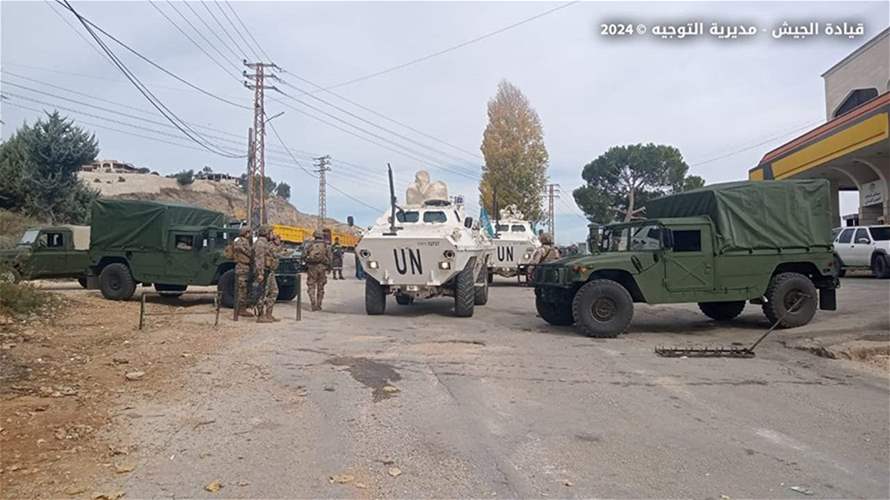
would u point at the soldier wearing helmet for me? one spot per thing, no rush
(546, 253)
(242, 254)
(318, 259)
(266, 256)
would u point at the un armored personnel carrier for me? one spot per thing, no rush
(515, 242)
(722, 246)
(424, 249)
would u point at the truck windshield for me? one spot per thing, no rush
(880, 233)
(29, 237)
(631, 238)
(435, 217)
(408, 216)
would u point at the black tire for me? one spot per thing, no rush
(404, 300)
(722, 311)
(839, 265)
(172, 291)
(286, 293)
(880, 268)
(82, 282)
(375, 297)
(490, 277)
(480, 293)
(602, 308)
(783, 291)
(116, 282)
(555, 313)
(464, 293)
(226, 287)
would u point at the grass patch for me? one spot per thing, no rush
(23, 300)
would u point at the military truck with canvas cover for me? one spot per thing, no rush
(168, 245)
(48, 252)
(514, 244)
(721, 246)
(426, 248)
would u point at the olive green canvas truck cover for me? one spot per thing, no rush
(143, 225)
(753, 216)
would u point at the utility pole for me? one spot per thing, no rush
(256, 158)
(552, 192)
(322, 165)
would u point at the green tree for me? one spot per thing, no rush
(185, 177)
(515, 155)
(38, 170)
(621, 180)
(283, 191)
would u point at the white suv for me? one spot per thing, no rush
(864, 247)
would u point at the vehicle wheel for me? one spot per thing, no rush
(404, 300)
(10, 275)
(480, 297)
(722, 311)
(602, 308)
(82, 282)
(226, 287)
(286, 293)
(464, 293)
(171, 291)
(783, 291)
(880, 268)
(839, 265)
(116, 282)
(555, 313)
(490, 277)
(375, 297)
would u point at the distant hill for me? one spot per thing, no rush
(225, 197)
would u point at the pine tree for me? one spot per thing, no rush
(515, 155)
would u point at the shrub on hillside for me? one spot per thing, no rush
(19, 301)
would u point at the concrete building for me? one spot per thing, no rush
(852, 149)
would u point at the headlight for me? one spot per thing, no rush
(527, 256)
(372, 264)
(444, 264)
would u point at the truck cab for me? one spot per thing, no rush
(48, 252)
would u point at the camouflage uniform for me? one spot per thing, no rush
(266, 256)
(547, 253)
(336, 261)
(316, 273)
(243, 255)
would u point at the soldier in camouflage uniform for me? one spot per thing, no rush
(318, 257)
(266, 256)
(242, 250)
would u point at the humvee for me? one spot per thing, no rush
(722, 246)
(169, 246)
(48, 252)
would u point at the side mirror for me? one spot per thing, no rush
(468, 222)
(667, 238)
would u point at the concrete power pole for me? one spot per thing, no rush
(552, 192)
(256, 162)
(322, 165)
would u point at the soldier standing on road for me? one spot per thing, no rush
(337, 260)
(242, 249)
(547, 253)
(318, 257)
(266, 256)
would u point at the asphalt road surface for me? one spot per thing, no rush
(418, 403)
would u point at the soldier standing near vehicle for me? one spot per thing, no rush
(318, 257)
(266, 256)
(547, 253)
(242, 254)
(337, 260)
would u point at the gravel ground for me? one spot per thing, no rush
(418, 403)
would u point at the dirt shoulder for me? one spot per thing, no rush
(62, 379)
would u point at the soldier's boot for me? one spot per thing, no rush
(245, 312)
(269, 315)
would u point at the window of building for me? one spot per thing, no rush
(687, 240)
(846, 236)
(856, 98)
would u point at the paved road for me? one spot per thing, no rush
(502, 405)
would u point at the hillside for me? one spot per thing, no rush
(223, 197)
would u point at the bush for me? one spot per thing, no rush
(21, 300)
(185, 177)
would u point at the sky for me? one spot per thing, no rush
(723, 103)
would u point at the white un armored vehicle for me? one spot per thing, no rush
(515, 243)
(426, 248)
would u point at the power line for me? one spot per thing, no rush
(249, 34)
(246, 43)
(451, 48)
(211, 30)
(746, 148)
(201, 34)
(153, 100)
(224, 30)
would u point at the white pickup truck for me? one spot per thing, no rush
(863, 247)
